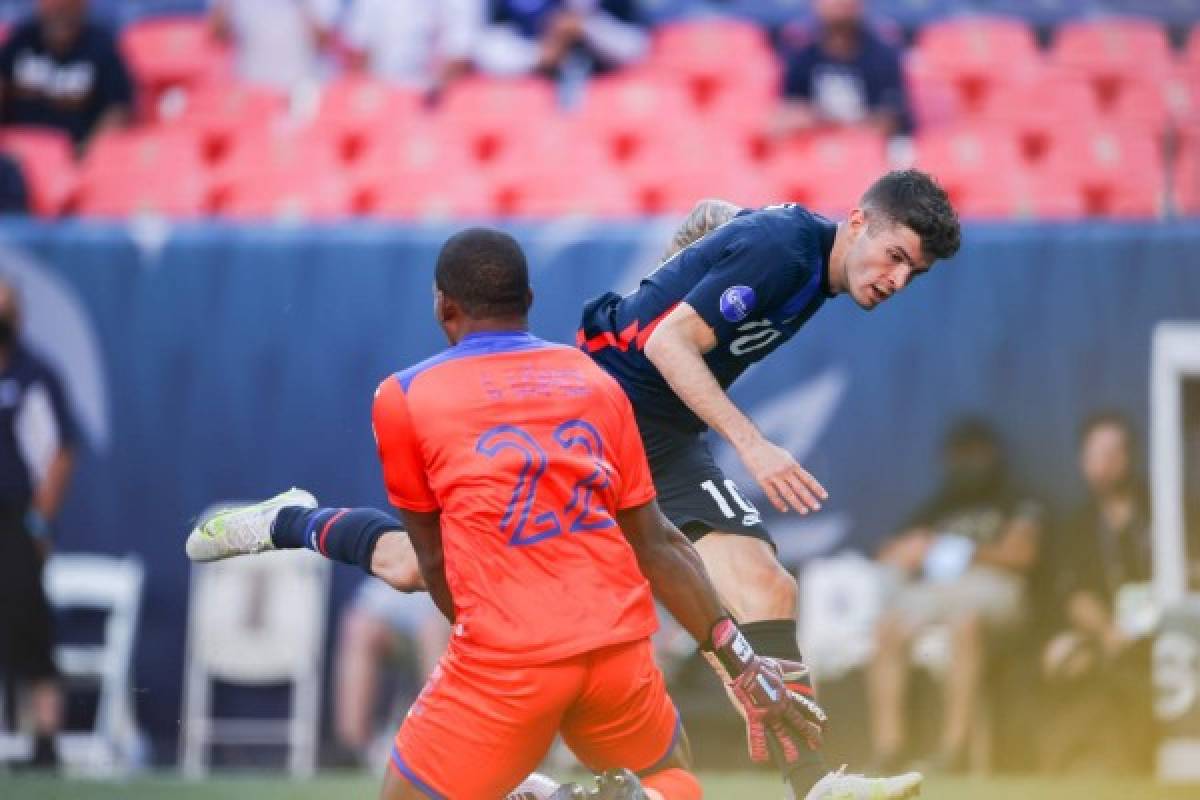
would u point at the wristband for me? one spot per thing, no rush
(730, 652)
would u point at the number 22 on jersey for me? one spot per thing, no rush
(583, 515)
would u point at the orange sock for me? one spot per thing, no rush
(674, 784)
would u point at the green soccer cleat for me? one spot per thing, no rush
(840, 786)
(243, 529)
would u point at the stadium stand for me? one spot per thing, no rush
(1065, 96)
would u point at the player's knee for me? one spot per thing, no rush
(674, 784)
(768, 592)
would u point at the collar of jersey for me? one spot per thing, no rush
(493, 341)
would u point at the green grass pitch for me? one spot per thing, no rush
(718, 786)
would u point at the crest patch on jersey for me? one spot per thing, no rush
(737, 302)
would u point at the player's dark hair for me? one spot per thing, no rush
(484, 271)
(914, 199)
(970, 432)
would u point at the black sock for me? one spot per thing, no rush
(777, 638)
(45, 753)
(347, 535)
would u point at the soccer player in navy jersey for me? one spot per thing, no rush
(736, 286)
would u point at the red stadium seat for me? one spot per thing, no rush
(143, 153)
(1119, 171)
(494, 112)
(352, 108)
(220, 110)
(829, 170)
(967, 158)
(623, 110)
(1142, 103)
(430, 194)
(714, 56)
(1182, 93)
(1035, 111)
(1110, 52)
(171, 51)
(280, 152)
(562, 144)
(47, 161)
(420, 145)
(974, 54)
(169, 194)
(289, 196)
(681, 162)
(548, 192)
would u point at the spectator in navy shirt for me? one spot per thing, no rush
(37, 444)
(60, 70)
(544, 36)
(847, 75)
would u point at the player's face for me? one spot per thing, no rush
(882, 259)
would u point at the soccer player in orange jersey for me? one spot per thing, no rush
(520, 474)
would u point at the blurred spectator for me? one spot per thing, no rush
(14, 192)
(847, 75)
(37, 440)
(415, 42)
(60, 70)
(961, 563)
(1098, 667)
(279, 43)
(373, 629)
(548, 36)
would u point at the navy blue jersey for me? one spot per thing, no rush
(755, 280)
(32, 406)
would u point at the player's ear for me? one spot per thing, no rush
(857, 220)
(528, 299)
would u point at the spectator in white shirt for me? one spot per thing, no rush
(279, 43)
(415, 42)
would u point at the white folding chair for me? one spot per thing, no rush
(256, 621)
(840, 601)
(114, 586)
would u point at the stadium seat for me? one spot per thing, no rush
(432, 194)
(351, 108)
(623, 110)
(1191, 54)
(421, 145)
(1110, 52)
(143, 151)
(1118, 170)
(1181, 91)
(47, 161)
(167, 194)
(219, 110)
(679, 159)
(676, 190)
(564, 144)
(493, 112)
(172, 51)
(282, 152)
(288, 196)
(1035, 111)
(967, 159)
(974, 54)
(828, 170)
(549, 192)
(714, 56)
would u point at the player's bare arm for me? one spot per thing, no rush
(707, 215)
(425, 532)
(677, 348)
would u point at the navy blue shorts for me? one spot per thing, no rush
(693, 492)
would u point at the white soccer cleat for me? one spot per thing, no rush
(840, 786)
(241, 530)
(536, 787)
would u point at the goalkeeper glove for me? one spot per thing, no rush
(759, 689)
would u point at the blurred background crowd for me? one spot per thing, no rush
(610, 108)
(991, 605)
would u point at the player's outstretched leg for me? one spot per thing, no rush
(242, 529)
(840, 786)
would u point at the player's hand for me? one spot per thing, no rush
(786, 483)
(758, 687)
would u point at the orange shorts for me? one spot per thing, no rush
(478, 730)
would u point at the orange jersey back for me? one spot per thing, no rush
(528, 449)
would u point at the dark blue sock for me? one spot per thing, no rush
(347, 535)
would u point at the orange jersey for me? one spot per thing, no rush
(528, 449)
